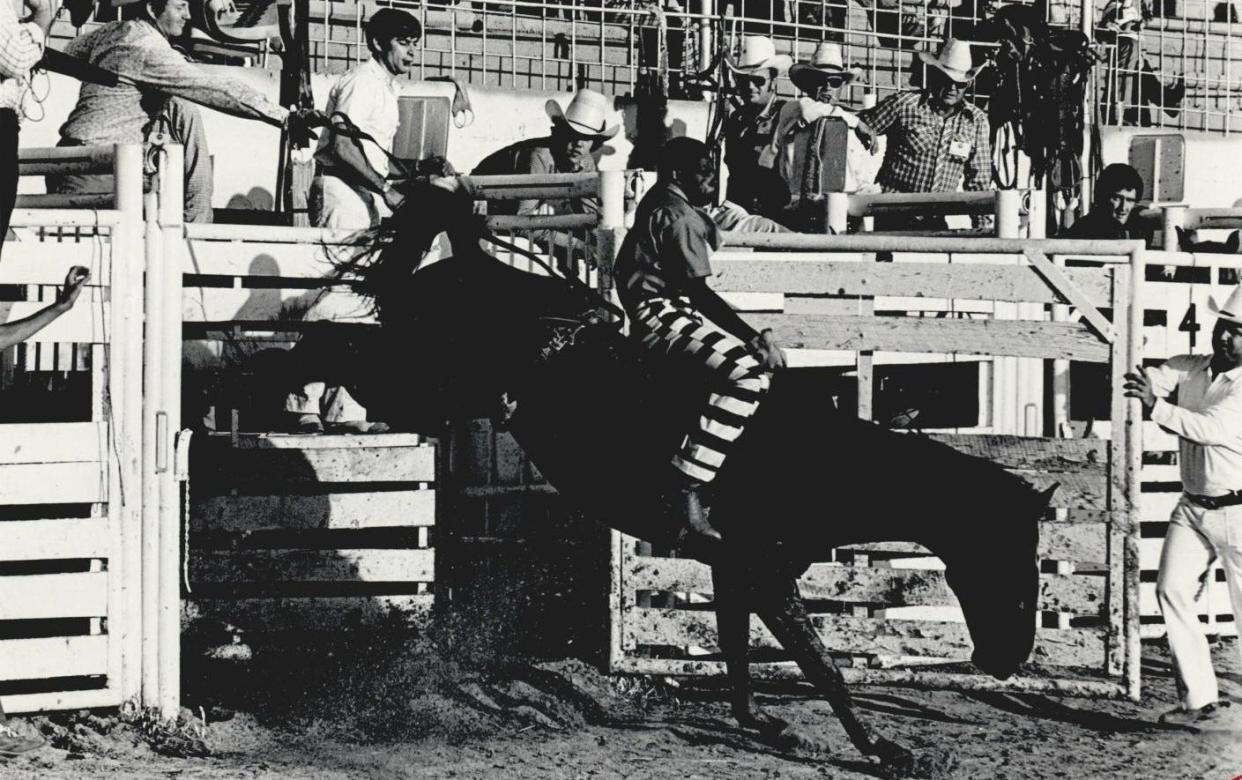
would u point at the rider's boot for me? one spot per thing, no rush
(688, 503)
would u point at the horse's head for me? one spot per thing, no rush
(994, 574)
(467, 329)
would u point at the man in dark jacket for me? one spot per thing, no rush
(1117, 190)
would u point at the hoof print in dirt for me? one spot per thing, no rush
(900, 763)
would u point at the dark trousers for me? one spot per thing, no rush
(8, 174)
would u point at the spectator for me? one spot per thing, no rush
(578, 133)
(155, 96)
(755, 187)
(801, 135)
(1199, 398)
(350, 189)
(21, 47)
(1112, 215)
(1131, 83)
(937, 140)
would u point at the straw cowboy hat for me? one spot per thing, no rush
(758, 54)
(1232, 310)
(953, 61)
(825, 62)
(586, 115)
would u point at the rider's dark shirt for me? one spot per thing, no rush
(1100, 225)
(754, 185)
(671, 243)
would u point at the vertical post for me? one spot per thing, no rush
(1086, 24)
(838, 212)
(1133, 464)
(612, 197)
(152, 389)
(1008, 203)
(1174, 217)
(707, 45)
(171, 209)
(125, 361)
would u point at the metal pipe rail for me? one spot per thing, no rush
(543, 186)
(66, 159)
(1112, 252)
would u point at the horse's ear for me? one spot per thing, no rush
(1183, 238)
(1232, 243)
(1045, 495)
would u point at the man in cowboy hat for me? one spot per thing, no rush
(578, 133)
(1206, 524)
(937, 140)
(155, 97)
(754, 183)
(351, 189)
(807, 129)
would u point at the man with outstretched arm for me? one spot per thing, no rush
(661, 271)
(1206, 525)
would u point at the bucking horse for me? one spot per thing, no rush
(601, 420)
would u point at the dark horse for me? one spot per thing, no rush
(601, 424)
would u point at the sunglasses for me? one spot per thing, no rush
(758, 81)
(834, 82)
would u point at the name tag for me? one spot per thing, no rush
(959, 148)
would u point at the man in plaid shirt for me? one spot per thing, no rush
(21, 47)
(937, 140)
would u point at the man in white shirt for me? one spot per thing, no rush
(1206, 525)
(21, 47)
(350, 189)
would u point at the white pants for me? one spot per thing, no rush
(1196, 537)
(333, 403)
(334, 204)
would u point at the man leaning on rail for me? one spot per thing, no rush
(1206, 524)
(21, 47)
(936, 138)
(154, 98)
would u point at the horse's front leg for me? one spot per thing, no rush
(780, 606)
(732, 598)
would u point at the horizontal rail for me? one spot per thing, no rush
(25, 216)
(531, 186)
(270, 234)
(862, 205)
(542, 221)
(87, 200)
(66, 159)
(1102, 251)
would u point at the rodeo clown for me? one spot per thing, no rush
(662, 272)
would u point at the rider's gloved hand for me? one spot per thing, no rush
(301, 124)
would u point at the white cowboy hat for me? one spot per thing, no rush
(586, 115)
(758, 53)
(1232, 310)
(825, 61)
(953, 61)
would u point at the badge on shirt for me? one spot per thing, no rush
(959, 148)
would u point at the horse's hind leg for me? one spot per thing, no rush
(781, 607)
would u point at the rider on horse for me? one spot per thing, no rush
(662, 272)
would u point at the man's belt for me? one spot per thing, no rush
(1232, 498)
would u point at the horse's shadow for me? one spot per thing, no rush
(1034, 705)
(708, 731)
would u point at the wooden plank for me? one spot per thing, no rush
(259, 259)
(1050, 340)
(915, 678)
(32, 540)
(866, 585)
(322, 441)
(38, 596)
(266, 467)
(67, 656)
(326, 613)
(53, 483)
(813, 274)
(1075, 491)
(221, 304)
(313, 566)
(849, 634)
(78, 442)
(1087, 308)
(47, 262)
(86, 323)
(375, 509)
(62, 700)
(1024, 452)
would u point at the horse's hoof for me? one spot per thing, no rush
(785, 736)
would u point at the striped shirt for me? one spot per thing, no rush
(138, 51)
(1207, 418)
(928, 151)
(21, 47)
(670, 244)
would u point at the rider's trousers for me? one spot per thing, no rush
(738, 380)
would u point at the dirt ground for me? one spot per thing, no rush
(401, 710)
